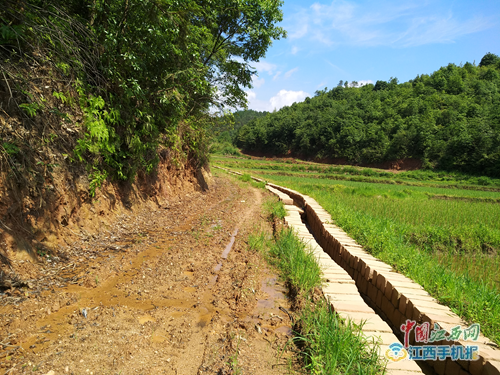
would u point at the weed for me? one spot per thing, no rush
(233, 359)
(10, 148)
(258, 242)
(274, 209)
(97, 177)
(245, 178)
(296, 263)
(31, 109)
(327, 345)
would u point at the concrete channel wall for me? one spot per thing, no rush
(395, 297)
(362, 288)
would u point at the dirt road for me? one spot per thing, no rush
(155, 295)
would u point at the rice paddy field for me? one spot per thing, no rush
(440, 229)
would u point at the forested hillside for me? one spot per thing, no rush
(131, 79)
(449, 119)
(109, 105)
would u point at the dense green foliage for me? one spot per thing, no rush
(147, 72)
(225, 137)
(449, 120)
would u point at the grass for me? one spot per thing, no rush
(326, 343)
(296, 263)
(450, 180)
(450, 248)
(247, 178)
(274, 210)
(331, 346)
(447, 239)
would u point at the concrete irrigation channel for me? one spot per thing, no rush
(364, 289)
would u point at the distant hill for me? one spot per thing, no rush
(241, 118)
(449, 119)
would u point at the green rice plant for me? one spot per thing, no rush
(378, 188)
(418, 177)
(444, 236)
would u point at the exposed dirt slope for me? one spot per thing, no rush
(158, 296)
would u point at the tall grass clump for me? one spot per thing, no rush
(274, 209)
(331, 346)
(327, 344)
(296, 263)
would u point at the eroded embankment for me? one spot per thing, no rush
(39, 224)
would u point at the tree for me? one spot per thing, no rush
(380, 85)
(489, 59)
(448, 119)
(162, 65)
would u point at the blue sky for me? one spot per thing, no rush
(366, 41)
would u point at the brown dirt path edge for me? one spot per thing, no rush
(160, 304)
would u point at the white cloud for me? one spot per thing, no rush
(290, 72)
(281, 99)
(256, 104)
(295, 49)
(365, 82)
(299, 32)
(276, 76)
(384, 23)
(285, 97)
(257, 82)
(251, 95)
(263, 66)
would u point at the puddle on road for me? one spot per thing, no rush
(108, 294)
(229, 246)
(206, 309)
(224, 255)
(284, 330)
(274, 291)
(267, 314)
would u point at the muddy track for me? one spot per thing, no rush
(155, 296)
